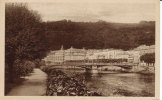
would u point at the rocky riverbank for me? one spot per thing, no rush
(59, 84)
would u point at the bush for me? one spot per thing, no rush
(37, 63)
(43, 68)
(22, 68)
(47, 69)
(42, 63)
(29, 66)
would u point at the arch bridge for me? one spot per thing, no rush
(89, 65)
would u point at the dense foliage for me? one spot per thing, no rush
(23, 67)
(99, 35)
(148, 58)
(22, 43)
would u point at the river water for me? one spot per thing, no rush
(117, 84)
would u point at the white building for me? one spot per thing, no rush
(60, 56)
(72, 54)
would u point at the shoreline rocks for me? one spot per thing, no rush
(59, 84)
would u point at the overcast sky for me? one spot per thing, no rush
(123, 12)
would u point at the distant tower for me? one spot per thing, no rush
(63, 55)
(71, 47)
(62, 47)
(83, 48)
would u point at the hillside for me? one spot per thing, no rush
(98, 35)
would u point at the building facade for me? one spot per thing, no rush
(73, 54)
(60, 56)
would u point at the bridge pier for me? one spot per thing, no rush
(137, 68)
(92, 69)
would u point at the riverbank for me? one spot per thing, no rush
(115, 84)
(59, 84)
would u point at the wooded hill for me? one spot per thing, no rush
(98, 35)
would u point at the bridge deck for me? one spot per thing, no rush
(96, 64)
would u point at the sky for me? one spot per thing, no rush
(125, 11)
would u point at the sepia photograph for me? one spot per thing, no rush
(99, 49)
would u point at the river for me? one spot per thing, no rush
(117, 84)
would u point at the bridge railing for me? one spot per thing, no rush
(97, 62)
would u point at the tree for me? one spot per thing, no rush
(148, 58)
(22, 41)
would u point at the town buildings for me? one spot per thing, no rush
(143, 49)
(73, 54)
(60, 56)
